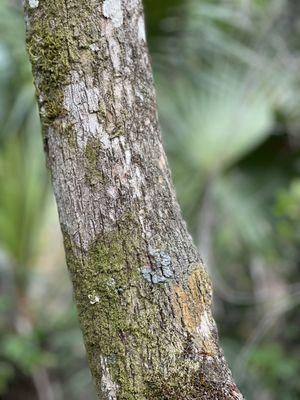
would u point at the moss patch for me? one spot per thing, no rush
(109, 273)
(54, 40)
(92, 154)
(48, 50)
(208, 381)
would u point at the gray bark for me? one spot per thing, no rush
(142, 293)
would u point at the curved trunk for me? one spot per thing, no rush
(142, 293)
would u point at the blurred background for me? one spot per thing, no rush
(228, 84)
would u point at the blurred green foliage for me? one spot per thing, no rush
(228, 91)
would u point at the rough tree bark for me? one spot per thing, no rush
(143, 295)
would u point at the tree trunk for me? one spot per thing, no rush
(142, 293)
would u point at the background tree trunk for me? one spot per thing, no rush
(143, 295)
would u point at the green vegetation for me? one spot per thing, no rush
(92, 153)
(48, 52)
(228, 85)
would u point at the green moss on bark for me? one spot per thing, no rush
(69, 133)
(47, 45)
(105, 281)
(92, 154)
(207, 379)
(132, 330)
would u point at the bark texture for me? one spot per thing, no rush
(143, 295)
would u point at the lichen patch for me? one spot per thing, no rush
(189, 302)
(112, 9)
(141, 29)
(33, 3)
(93, 299)
(107, 385)
(161, 271)
(204, 328)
